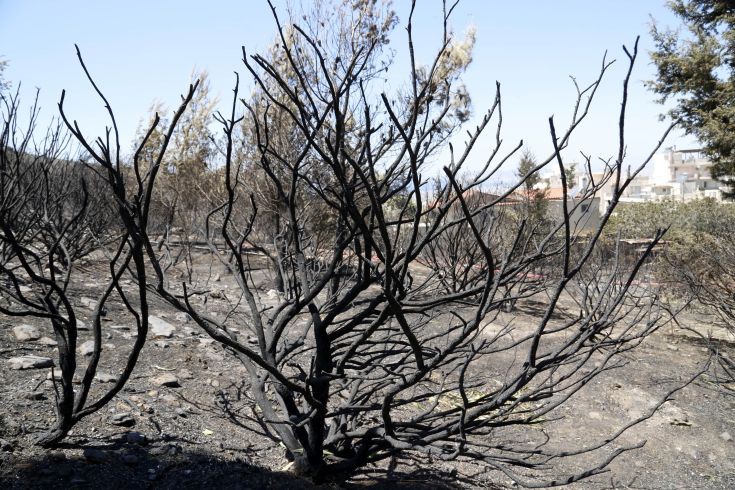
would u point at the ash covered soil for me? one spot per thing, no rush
(184, 418)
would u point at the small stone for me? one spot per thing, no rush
(152, 393)
(170, 399)
(136, 438)
(35, 395)
(725, 436)
(130, 458)
(217, 278)
(122, 419)
(215, 383)
(6, 446)
(185, 374)
(105, 377)
(30, 362)
(161, 344)
(595, 415)
(26, 332)
(96, 455)
(206, 342)
(120, 327)
(88, 302)
(182, 317)
(692, 453)
(47, 341)
(81, 325)
(181, 412)
(108, 346)
(167, 379)
(160, 328)
(87, 348)
(57, 457)
(672, 347)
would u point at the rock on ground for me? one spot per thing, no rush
(29, 362)
(26, 332)
(182, 317)
(160, 328)
(47, 341)
(88, 302)
(166, 379)
(96, 455)
(123, 419)
(105, 377)
(87, 348)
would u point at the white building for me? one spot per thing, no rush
(683, 175)
(679, 175)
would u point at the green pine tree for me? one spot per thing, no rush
(696, 71)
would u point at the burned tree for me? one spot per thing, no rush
(366, 354)
(49, 218)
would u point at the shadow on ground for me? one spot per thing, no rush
(120, 465)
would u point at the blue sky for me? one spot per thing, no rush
(144, 51)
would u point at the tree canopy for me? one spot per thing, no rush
(696, 71)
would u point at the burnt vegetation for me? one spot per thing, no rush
(371, 261)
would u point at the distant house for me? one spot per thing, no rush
(585, 213)
(679, 175)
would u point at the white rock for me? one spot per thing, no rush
(30, 362)
(725, 436)
(167, 379)
(105, 377)
(88, 302)
(87, 348)
(26, 332)
(47, 341)
(160, 328)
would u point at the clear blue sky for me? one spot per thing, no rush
(141, 51)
